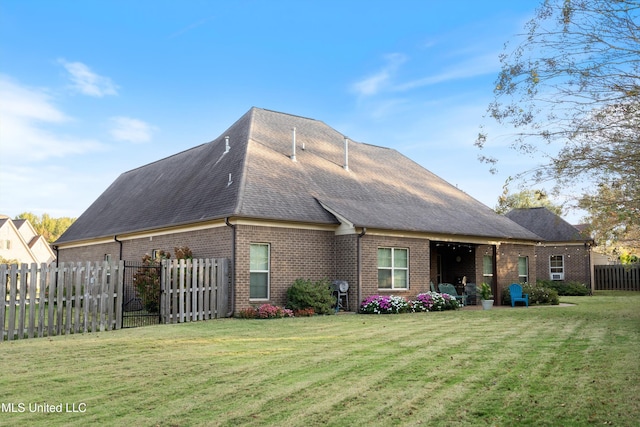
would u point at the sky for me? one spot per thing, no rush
(92, 89)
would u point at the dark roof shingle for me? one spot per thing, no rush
(381, 189)
(549, 226)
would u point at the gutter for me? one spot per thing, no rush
(359, 268)
(232, 291)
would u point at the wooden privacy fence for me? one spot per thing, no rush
(60, 299)
(47, 300)
(616, 277)
(194, 290)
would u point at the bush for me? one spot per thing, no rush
(384, 304)
(304, 312)
(537, 295)
(572, 288)
(265, 311)
(433, 301)
(304, 294)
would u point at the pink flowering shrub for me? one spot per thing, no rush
(434, 301)
(384, 304)
(265, 311)
(391, 304)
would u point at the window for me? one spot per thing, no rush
(556, 267)
(523, 269)
(259, 271)
(8, 244)
(393, 268)
(487, 269)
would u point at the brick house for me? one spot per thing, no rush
(564, 253)
(287, 197)
(20, 242)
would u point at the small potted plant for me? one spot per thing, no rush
(486, 295)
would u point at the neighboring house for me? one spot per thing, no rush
(564, 252)
(287, 197)
(20, 242)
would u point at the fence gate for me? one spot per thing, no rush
(141, 294)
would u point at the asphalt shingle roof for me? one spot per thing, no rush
(546, 224)
(257, 178)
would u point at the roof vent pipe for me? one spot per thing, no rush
(346, 153)
(226, 144)
(293, 142)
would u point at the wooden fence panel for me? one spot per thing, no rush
(47, 300)
(194, 290)
(617, 277)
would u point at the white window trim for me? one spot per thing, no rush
(560, 270)
(526, 276)
(393, 268)
(268, 271)
(487, 275)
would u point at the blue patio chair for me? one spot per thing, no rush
(515, 291)
(448, 288)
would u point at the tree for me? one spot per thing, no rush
(612, 229)
(525, 199)
(571, 90)
(50, 228)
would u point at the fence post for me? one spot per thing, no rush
(13, 282)
(33, 283)
(22, 297)
(3, 295)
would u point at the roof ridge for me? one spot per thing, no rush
(243, 173)
(286, 114)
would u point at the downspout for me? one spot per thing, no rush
(359, 267)
(116, 239)
(498, 298)
(232, 293)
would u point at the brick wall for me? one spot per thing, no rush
(576, 262)
(209, 243)
(507, 266)
(419, 265)
(295, 253)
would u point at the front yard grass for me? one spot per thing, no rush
(567, 365)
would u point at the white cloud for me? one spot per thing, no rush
(375, 83)
(25, 114)
(130, 130)
(476, 66)
(87, 82)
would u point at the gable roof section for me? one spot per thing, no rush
(546, 224)
(382, 188)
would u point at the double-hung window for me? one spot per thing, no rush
(523, 269)
(556, 267)
(487, 269)
(259, 271)
(393, 268)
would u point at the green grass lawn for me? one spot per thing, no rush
(574, 365)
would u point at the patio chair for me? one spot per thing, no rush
(470, 291)
(515, 291)
(448, 288)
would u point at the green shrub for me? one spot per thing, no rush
(304, 294)
(538, 294)
(572, 288)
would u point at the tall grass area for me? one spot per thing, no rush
(560, 365)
